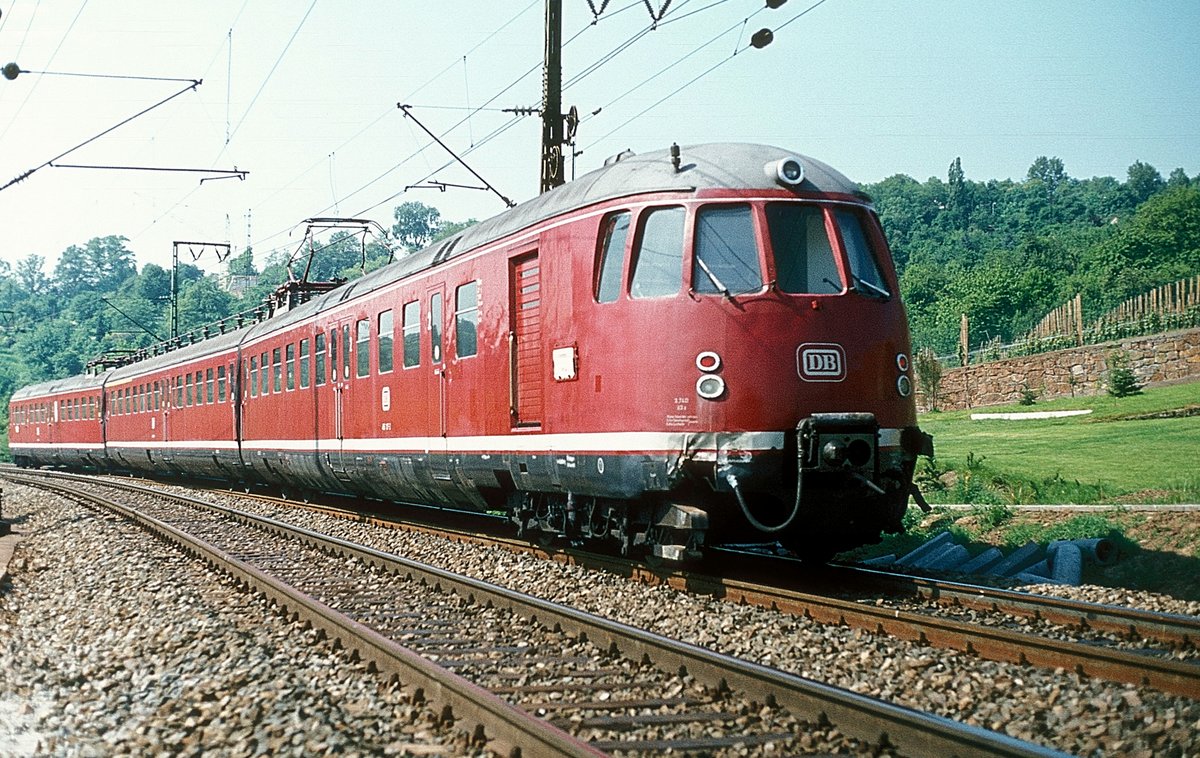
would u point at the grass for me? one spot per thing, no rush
(1118, 453)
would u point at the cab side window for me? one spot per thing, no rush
(658, 255)
(610, 256)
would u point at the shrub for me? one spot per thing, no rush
(929, 375)
(1121, 380)
(1028, 396)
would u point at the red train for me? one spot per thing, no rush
(681, 344)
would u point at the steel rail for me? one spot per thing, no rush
(992, 643)
(905, 730)
(1165, 627)
(507, 729)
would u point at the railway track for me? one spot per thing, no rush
(1018, 629)
(1015, 627)
(524, 674)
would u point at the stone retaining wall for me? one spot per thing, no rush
(1168, 357)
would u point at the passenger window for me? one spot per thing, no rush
(319, 358)
(333, 355)
(386, 340)
(466, 320)
(189, 388)
(253, 376)
(412, 334)
(157, 397)
(179, 392)
(209, 395)
(363, 347)
(345, 351)
(276, 371)
(863, 267)
(291, 366)
(264, 375)
(435, 327)
(804, 261)
(305, 364)
(611, 256)
(220, 384)
(658, 259)
(726, 259)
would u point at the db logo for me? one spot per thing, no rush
(821, 362)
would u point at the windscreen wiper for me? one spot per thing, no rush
(713, 278)
(872, 289)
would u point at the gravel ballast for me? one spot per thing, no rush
(1056, 708)
(112, 643)
(1053, 708)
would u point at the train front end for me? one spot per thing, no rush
(814, 367)
(777, 353)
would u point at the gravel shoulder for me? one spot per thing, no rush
(111, 643)
(1054, 708)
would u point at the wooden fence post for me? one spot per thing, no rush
(964, 345)
(1079, 319)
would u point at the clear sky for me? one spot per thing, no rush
(302, 94)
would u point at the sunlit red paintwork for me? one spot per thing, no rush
(615, 430)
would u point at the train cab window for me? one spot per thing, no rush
(305, 362)
(412, 334)
(864, 270)
(466, 320)
(264, 374)
(254, 376)
(290, 355)
(435, 328)
(614, 231)
(362, 338)
(319, 359)
(387, 356)
(220, 384)
(333, 354)
(276, 371)
(726, 257)
(804, 262)
(658, 254)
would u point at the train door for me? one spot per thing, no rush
(436, 409)
(330, 397)
(525, 340)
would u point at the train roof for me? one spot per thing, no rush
(219, 344)
(711, 166)
(57, 386)
(724, 165)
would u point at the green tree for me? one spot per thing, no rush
(153, 284)
(416, 224)
(30, 272)
(1144, 180)
(203, 302)
(451, 228)
(242, 264)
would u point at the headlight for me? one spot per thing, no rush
(710, 386)
(786, 171)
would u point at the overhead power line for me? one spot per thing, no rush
(194, 84)
(271, 73)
